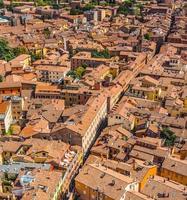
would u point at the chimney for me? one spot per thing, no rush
(134, 164)
(112, 183)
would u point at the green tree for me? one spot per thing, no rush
(147, 36)
(35, 57)
(139, 5)
(1, 4)
(106, 53)
(57, 6)
(20, 50)
(128, 2)
(9, 132)
(47, 33)
(169, 136)
(72, 74)
(126, 7)
(140, 8)
(80, 71)
(1, 78)
(6, 52)
(89, 6)
(76, 11)
(136, 11)
(102, 54)
(84, 65)
(43, 2)
(40, 3)
(10, 7)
